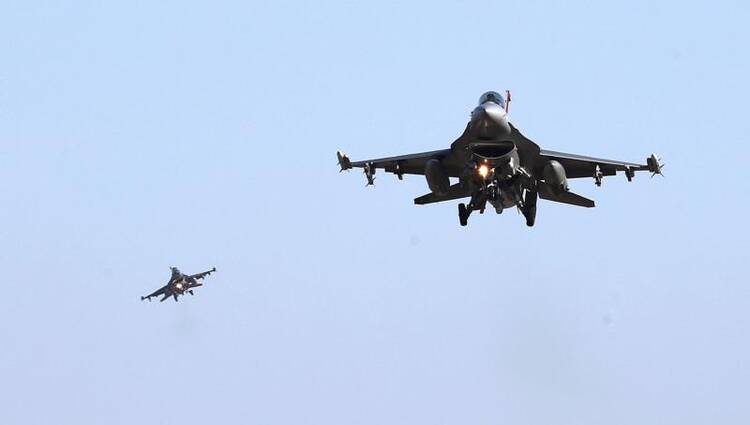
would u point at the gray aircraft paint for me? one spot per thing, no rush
(178, 284)
(494, 163)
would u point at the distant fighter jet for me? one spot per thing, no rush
(495, 163)
(179, 284)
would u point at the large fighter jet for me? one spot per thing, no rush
(179, 284)
(494, 163)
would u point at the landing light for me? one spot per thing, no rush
(483, 171)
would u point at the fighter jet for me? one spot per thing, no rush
(495, 164)
(179, 284)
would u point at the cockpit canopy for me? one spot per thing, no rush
(494, 97)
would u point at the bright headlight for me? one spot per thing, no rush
(483, 171)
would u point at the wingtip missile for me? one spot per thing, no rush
(343, 161)
(655, 166)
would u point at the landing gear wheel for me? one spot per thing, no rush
(529, 206)
(530, 215)
(463, 214)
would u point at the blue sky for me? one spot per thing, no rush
(135, 136)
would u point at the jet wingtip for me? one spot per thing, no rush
(343, 161)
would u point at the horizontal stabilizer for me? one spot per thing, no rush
(546, 192)
(456, 191)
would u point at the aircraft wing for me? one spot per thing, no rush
(585, 166)
(399, 165)
(203, 274)
(156, 293)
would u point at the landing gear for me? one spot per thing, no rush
(478, 203)
(530, 215)
(528, 208)
(463, 214)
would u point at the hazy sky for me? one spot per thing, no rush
(139, 135)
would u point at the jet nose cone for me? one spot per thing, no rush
(489, 121)
(492, 111)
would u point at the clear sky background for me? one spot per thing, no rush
(138, 135)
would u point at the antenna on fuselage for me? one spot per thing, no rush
(507, 101)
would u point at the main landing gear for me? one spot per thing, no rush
(528, 207)
(478, 202)
(463, 214)
(530, 215)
